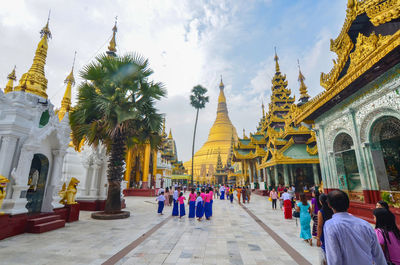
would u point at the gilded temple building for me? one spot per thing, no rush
(357, 116)
(279, 152)
(219, 143)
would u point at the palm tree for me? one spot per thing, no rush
(116, 103)
(198, 100)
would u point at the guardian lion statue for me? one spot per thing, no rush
(68, 194)
(3, 185)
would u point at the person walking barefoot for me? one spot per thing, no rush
(181, 200)
(305, 218)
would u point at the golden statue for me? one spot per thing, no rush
(3, 185)
(68, 194)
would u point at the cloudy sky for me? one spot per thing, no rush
(187, 43)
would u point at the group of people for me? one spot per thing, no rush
(243, 193)
(342, 237)
(200, 202)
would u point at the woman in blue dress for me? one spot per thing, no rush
(199, 207)
(305, 218)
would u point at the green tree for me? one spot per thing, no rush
(198, 100)
(115, 105)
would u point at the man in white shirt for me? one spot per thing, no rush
(348, 239)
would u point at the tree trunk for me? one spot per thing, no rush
(115, 172)
(194, 137)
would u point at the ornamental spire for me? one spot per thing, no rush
(10, 84)
(263, 109)
(112, 48)
(303, 88)
(170, 134)
(34, 81)
(221, 84)
(276, 58)
(66, 101)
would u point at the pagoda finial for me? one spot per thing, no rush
(112, 48)
(221, 84)
(263, 109)
(66, 101)
(276, 58)
(170, 134)
(244, 133)
(10, 84)
(34, 81)
(163, 126)
(303, 88)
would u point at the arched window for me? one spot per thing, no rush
(385, 151)
(346, 163)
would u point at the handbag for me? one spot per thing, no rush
(270, 199)
(296, 214)
(386, 252)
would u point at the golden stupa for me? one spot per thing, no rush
(220, 141)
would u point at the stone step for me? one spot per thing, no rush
(48, 226)
(42, 219)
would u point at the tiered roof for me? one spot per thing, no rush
(277, 139)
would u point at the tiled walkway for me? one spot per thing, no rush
(231, 237)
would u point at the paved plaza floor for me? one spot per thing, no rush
(232, 236)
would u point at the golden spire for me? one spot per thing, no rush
(66, 101)
(276, 58)
(112, 48)
(34, 81)
(221, 84)
(10, 84)
(263, 109)
(170, 134)
(303, 88)
(163, 127)
(244, 133)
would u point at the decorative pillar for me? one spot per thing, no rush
(276, 175)
(269, 177)
(51, 198)
(94, 180)
(315, 174)
(103, 181)
(7, 151)
(373, 180)
(146, 165)
(286, 175)
(155, 168)
(16, 204)
(291, 172)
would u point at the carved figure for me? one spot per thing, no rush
(3, 185)
(68, 194)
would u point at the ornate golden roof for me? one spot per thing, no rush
(360, 56)
(10, 84)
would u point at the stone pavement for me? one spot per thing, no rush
(231, 237)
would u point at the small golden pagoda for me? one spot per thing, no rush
(219, 142)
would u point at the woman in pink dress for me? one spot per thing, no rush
(166, 194)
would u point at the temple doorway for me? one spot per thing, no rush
(346, 163)
(37, 182)
(385, 150)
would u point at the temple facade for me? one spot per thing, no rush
(357, 117)
(279, 152)
(220, 140)
(34, 139)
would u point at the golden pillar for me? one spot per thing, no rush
(155, 166)
(146, 165)
(128, 166)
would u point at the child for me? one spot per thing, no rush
(203, 195)
(211, 196)
(181, 199)
(161, 201)
(192, 204)
(231, 194)
(207, 205)
(199, 207)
